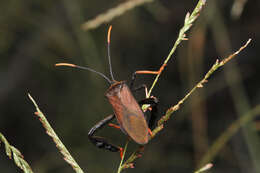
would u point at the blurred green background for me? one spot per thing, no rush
(35, 34)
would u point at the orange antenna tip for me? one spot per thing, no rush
(65, 64)
(109, 33)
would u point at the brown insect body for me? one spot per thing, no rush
(128, 112)
(126, 109)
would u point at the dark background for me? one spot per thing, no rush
(34, 35)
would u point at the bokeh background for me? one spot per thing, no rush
(34, 35)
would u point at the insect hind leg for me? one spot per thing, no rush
(101, 142)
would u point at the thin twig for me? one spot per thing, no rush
(200, 84)
(49, 130)
(189, 19)
(17, 156)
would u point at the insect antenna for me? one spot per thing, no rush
(108, 52)
(84, 68)
(90, 69)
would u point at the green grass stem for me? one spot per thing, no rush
(221, 141)
(49, 130)
(17, 156)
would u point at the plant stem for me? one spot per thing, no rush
(231, 130)
(122, 159)
(200, 84)
(189, 19)
(17, 156)
(49, 130)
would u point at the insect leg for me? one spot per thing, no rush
(132, 80)
(143, 86)
(101, 142)
(132, 84)
(146, 72)
(153, 102)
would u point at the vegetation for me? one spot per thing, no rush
(76, 102)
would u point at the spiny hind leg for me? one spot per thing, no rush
(101, 142)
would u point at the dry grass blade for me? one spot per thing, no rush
(112, 13)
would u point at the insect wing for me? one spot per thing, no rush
(133, 121)
(128, 112)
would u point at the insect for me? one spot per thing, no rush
(127, 110)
